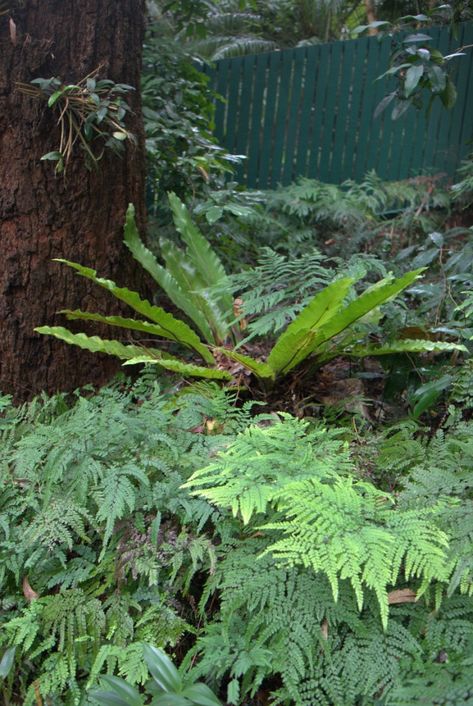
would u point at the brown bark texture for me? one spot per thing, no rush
(43, 215)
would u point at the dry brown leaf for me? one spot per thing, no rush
(12, 26)
(324, 628)
(401, 595)
(28, 592)
(39, 700)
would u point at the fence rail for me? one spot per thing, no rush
(309, 111)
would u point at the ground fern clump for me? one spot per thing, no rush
(98, 542)
(259, 549)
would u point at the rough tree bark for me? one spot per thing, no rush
(43, 216)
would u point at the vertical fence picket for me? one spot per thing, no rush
(222, 84)
(232, 126)
(255, 126)
(355, 105)
(460, 74)
(466, 134)
(330, 113)
(280, 125)
(243, 134)
(318, 111)
(367, 131)
(311, 71)
(294, 103)
(378, 124)
(269, 119)
(343, 111)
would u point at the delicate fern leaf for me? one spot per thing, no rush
(134, 325)
(95, 344)
(289, 349)
(177, 329)
(261, 461)
(407, 346)
(116, 496)
(202, 255)
(348, 529)
(257, 367)
(178, 366)
(164, 278)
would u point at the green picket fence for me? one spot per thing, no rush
(310, 111)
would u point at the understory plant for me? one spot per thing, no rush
(335, 322)
(90, 114)
(167, 686)
(98, 544)
(259, 550)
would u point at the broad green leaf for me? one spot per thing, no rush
(259, 368)
(178, 366)
(415, 38)
(202, 255)
(178, 330)
(449, 94)
(426, 395)
(373, 297)
(170, 700)
(108, 698)
(438, 78)
(160, 275)
(95, 344)
(124, 690)
(289, 349)
(382, 105)
(393, 70)
(162, 669)
(54, 97)
(413, 76)
(7, 662)
(133, 324)
(51, 157)
(201, 695)
(407, 346)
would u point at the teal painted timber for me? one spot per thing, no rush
(311, 71)
(309, 112)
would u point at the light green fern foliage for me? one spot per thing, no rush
(327, 519)
(295, 612)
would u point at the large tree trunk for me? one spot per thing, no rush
(79, 216)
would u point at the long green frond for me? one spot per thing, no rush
(353, 312)
(95, 344)
(177, 330)
(298, 336)
(162, 277)
(203, 256)
(407, 346)
(178, 366)
(181, 266)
